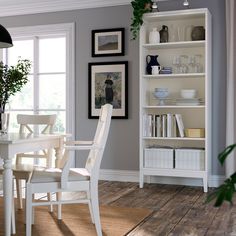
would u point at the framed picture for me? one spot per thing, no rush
(108, 42)
(108, 83)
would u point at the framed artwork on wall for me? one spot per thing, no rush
(108, 83)
(108, 42)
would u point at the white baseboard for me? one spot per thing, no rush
(133, 176)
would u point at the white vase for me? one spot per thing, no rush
(4, 122)
(154, 36)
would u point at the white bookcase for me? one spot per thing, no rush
(194, 116)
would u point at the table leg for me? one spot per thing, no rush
(58, 153)
(7, 195)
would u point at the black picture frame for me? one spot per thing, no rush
(108, 83)
(108, 42)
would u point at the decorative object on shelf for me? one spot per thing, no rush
(154, 36)
(154, 6)
(186, 3)
(12, 79)
(5, 38)
(166, 70)
(195, 132)
(189, 101)
(188, 93)
(164, 34)
(187, 32)
(108, 83)
(198, 33)
(161, 94)
(151, 61)
(108, 42)
(4, 122)
(139, 8)
(156, 70)
(173, 33)
(226, 191)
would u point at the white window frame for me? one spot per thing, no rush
(67, 29)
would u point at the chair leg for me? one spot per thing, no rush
(28, 210)
(90, 208)
(59, 194)
(49, 196)
(13, 217)
(19, 193)
(95, 210)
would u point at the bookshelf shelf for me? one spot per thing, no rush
(174, 138)
(175, 76)
(165, 125)
(172, 45)
(175, 107)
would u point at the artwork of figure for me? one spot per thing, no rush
(109, 89)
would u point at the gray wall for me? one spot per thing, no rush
(122, 147)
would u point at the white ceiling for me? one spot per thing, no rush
(22, 7)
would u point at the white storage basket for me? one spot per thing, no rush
(158, 158)
(190, 159)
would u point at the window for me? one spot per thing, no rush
(50, 89)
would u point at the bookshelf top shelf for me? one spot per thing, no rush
(173, 76)
(174, 106)
(170, 45)
(174, 138)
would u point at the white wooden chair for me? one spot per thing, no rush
(28, 123)
(22, 171)
(67, 179)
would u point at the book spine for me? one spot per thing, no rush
(169, 125)
(158, 125)
(163, 122)
(180, 124)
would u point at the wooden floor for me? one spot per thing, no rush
(177, 210)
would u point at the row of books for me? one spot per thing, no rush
(163, 125)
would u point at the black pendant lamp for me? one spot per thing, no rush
(5, 38)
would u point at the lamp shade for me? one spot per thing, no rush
(5, 38)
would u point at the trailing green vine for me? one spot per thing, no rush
(139, 8)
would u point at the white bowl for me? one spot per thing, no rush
(188, 93)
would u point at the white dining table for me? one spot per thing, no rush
(13, 143)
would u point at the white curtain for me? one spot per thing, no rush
(231, 83)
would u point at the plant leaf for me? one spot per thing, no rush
(224, 154)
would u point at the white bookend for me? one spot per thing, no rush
(180, 124)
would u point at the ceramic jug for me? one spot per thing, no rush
(164, 34)
(198, 33)
(156, 70)
(154, 36)
(151, 61)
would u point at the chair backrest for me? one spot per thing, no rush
(48, 121)
(95, 155)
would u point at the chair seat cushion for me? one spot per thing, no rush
(54, 175)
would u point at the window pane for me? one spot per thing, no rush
(52, 90)
(52, 54)
(13, 126)
(24, 98)
(22, 49)
(60, 121)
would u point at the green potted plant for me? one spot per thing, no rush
(12, 79)
(139, 8)
(225, 191)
